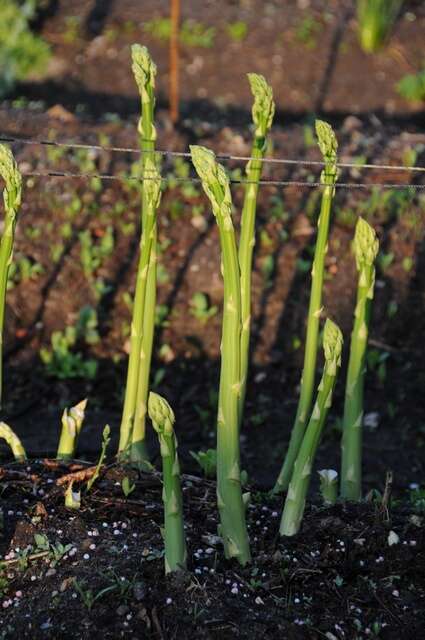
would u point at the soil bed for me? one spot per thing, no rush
(339, 578)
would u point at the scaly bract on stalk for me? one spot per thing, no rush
(230, 501)
(133, 424)
(163, 419)
(366, 248)
(13, 441)
(298, 487)
(72, 422)
(262, 116)
(328, 146)
(12, 195)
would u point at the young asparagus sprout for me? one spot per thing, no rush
(366, 248)
(262, 116)
(328, 146)
(12, 195)
(298, 487)
(72, 422)
(132, 444)
(163, 419)
(230, 501)
(13, 441)
(328, 485)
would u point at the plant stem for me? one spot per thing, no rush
(12, 195)
(132, 432)
(295, 500)
(262, 114)
(163, 419)
(328, 146)
(230, 501)
(366, 248)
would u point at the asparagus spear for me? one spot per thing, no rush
(163, 419)
(132, 434)
(262, 115)
(72, 422)
(229, 493)
(366, 248)
(145, 71)
(328, 146)
(13, 441)
(295, 500)
(12, 195)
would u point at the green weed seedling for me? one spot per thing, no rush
(207, 460)
(237, 31)
(62, 360)
(127, 486)
(412, 87)
(201, 308)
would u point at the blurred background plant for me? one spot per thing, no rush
(21, 52)
(376, 19)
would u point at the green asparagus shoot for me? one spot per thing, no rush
(229, 492)
(163, 419)
(262, 116)
(328, 146)
(13, 441)
(328, 485)
(298, 487)
(12, 195)
(72, 422)
(132, 445)
(366, 248)
(376, 19)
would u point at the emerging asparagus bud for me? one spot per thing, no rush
(144, 70)
(263, 107)
(13, 441)
(72, 498)
(326, 139)
(13, 180)
(332, 346)
(161, 414)
(214, 182)
(163, 419)
(366, 244)
(72, 422)
(328, 485)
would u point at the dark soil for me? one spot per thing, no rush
(339, 578)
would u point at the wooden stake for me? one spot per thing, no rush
(174, 61)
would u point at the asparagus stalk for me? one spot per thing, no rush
(12, 195)
(295, 500)
(262, 115)
(366, 247)
(328, 485)
(132, 434)
(72, 422)
(229, 492)
(163, 419)
(145, 71)
(13, 441)
(328, 146)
